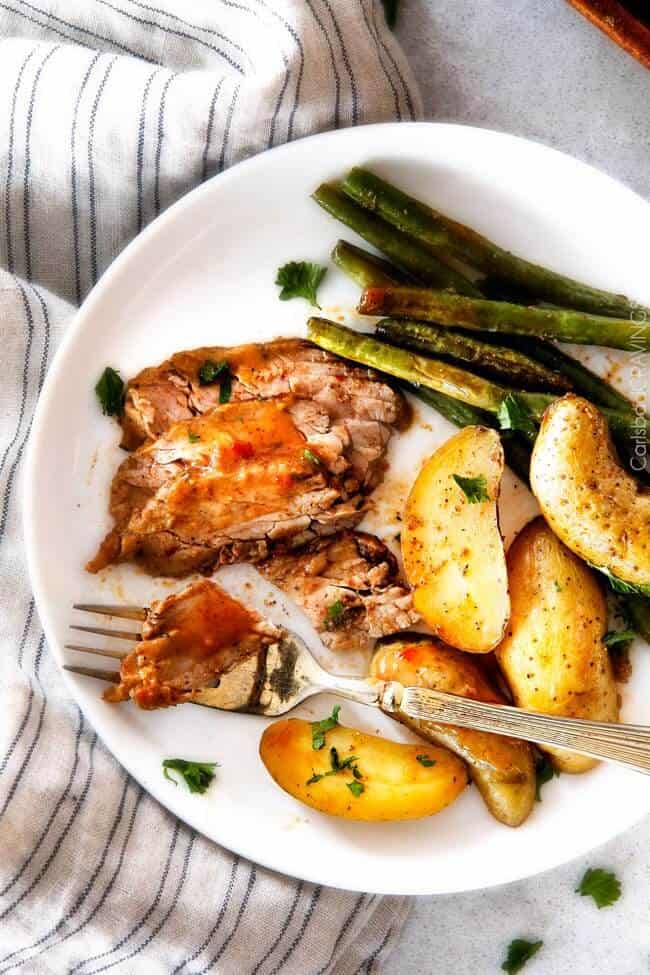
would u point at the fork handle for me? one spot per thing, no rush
(626, 744)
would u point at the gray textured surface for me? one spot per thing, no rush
(537, 69)
(534, 68)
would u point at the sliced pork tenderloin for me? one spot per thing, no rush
(348, 586)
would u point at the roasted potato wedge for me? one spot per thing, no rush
(393, 785)
(502, 768)
(451, 544)
(553, 655)
(598, 510)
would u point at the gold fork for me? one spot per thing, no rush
(286, 673)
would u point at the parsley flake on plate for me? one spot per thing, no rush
(300, 279)
(211, 372)
(334, 615)
(193, 437)
(196, 775)
(615, 637)
(338, 766)
(225, 388)
(356, 788)
(425, 760)
(619, 585)
(514, 415)
(603, 886)
(474, 488)
(320, 728)
(544, 772)
(519, 952)
(110, 392)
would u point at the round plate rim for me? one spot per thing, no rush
(393, 885)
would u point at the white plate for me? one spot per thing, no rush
(203, 273)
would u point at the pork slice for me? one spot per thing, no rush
(348, 586)
(230, 485)
(189, 641)
(350, 403)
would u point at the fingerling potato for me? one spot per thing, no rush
(451, 545)
(391, 783)
(502, 768)
(590, 501)
(553, 656)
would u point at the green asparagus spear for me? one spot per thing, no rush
(448, 239)
(432, 373)
(504, 363)
(454, 410)
(440, 376)
(404, 252)
(583, 380)
(627, 434)
(499, 316)
(517, 451)
(365, 268)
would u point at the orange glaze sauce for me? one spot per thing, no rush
(189, 640)
(207, 620)
(244, 361)
(246, 453)
(249, 359)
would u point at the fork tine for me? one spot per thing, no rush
(113, 654)
(125, 612)
(108, 675)
(102, 631)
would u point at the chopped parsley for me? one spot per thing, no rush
(110, 392)
(320, 728)
(337, 766)
(197, 775)
(519, 952)
(193, 437)
(390, 11)
(513, 414)
(225, 388)
(544, 772)
(312, 457)
(356, 788)
(474, 488)
(300, 279)
(211, 372)
(425, 760)
(334, 615)
(616, 637)
(558, 587)
(619, 585)
(603, 886)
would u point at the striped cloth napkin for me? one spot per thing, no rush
(110, 112)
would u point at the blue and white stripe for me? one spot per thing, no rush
(113, 109)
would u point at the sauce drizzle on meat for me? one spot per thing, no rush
(189, 640)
